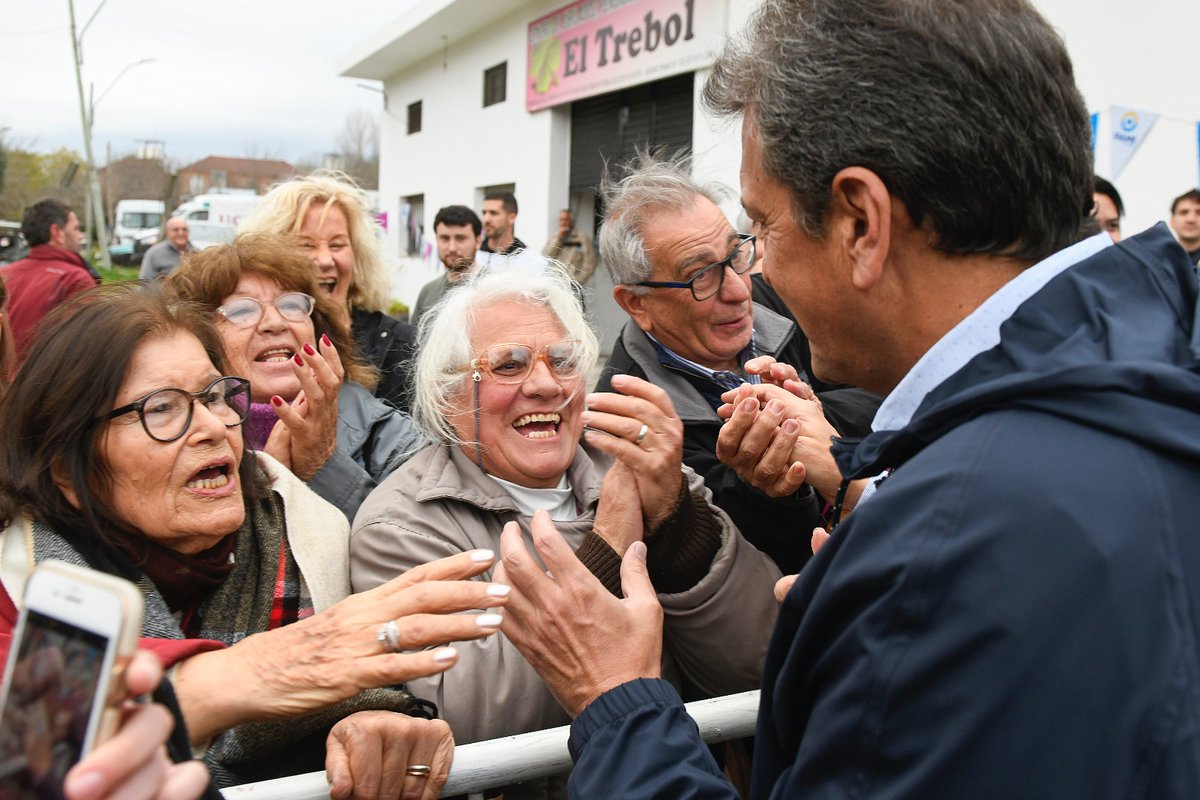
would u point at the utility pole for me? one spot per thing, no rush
(100, 225)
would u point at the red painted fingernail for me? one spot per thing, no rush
(276, 401)
(325, 340)
(308, 348)
(299, 361)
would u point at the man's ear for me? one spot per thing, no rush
(634, 306)
(64, 484)
(56, 234)
(861, 221)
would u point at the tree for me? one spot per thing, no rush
(3, 155)
(132, 177)
(358, 145)
(29, 177)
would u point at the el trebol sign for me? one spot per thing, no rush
(596, 46)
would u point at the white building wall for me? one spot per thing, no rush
(1140, 57)
(463, 146)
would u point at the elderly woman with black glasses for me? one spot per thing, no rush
(311, 403)
(122, 450)
(499, 381)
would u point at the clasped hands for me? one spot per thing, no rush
(775, 436)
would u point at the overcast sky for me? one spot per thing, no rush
(229, 77)
(259, 77)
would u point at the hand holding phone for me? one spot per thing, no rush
(63, 684)
(132, 764)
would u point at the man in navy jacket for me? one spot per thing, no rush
(1012, 610)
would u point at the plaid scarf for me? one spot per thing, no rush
(262, 558)
(241, 606)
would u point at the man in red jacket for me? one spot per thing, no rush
(52, 272)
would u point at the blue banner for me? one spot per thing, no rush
(1095, 131)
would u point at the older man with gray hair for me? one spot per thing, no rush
(162, 258)
(699, 327)
(1015, 611)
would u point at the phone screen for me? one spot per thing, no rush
(45, 718)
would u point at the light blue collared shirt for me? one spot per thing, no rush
(975, 333)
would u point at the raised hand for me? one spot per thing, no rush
(581, 640)
(637, 426)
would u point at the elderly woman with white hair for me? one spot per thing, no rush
(499, 381)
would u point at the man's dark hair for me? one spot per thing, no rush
(507, 198)
(37, 219)
(1190, 194)
(457, 216)
(1106, 188)
(968, 111)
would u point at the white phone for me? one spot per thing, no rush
(63, 684)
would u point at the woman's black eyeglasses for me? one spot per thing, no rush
(708, 281)
(166, 414)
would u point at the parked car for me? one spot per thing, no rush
(12, 243)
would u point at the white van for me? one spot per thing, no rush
(135, 227)
(218, 209)
(213, 218)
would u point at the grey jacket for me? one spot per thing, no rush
(162, 259)
(440, 503)
(372, 440)
(430, 294)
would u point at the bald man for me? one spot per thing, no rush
(162, 259)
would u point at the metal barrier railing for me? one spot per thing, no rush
(499, 762)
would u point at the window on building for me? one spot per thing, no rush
(217, 180)
(412, 215)
(483, 191)
(414, 117)
(495, 84)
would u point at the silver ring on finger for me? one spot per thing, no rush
(418, 770)
(641, 434)
(389, 636)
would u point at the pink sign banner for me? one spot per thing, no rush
(596, 46)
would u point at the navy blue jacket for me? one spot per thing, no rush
(1016, 612)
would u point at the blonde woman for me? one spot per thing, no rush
(332, 218)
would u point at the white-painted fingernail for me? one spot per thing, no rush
(483, 556)
(498, 589)
(489, 620)
(444, 655)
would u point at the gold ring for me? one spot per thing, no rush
(417, 770)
